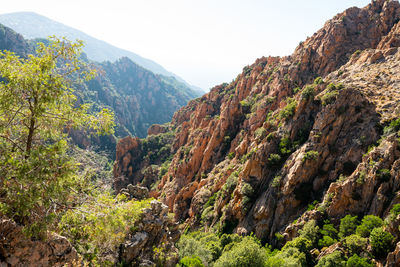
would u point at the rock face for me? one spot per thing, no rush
(250, 156)
(17, 250)
(155, 230)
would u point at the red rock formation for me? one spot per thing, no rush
(264, 150)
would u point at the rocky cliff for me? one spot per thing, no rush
(318, 125)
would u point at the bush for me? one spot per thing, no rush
(318, 80)
(326, 241)
(368, 223)
(301, 243)
(310, 231)
(355, 244)
(274, 160)
(99, 226)
(310, 155)
(290, 257)
(334, 259)
(248, 252)
(288, 111)
(329, 230)
(329, 97)
(190, 262)
(260, 132)
(308, 92)
(381, 241)
(357, 261)
(348, 225)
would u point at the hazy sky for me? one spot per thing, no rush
(206, 42)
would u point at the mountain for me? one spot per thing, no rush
(32, 25)
(291, 146)
(138, 97)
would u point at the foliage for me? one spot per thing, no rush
(190, 262)
(381, 241)
(368, 223)
(355, 244)
(334, 259)
(357, 261)
(288, 111)
(260, 132)
(290, 257)
(248, 252)
(199, 244)
(318, 80)
(308, 92)
(97, 227)
(348, 225)
(301, 243)
(329, 97)
(274, 160)
(394, 126)
(37, 109)
(310, 155)
(326, 241)
(310, 231)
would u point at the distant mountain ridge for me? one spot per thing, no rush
(138, 97)
(32, 25)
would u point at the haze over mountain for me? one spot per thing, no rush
(32, 25)
(137, 96)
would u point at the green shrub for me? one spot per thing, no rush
(231, 155)
(357, 261)
(290, 257)
(329, 230)
(288, 111)
(329, 97)
(260, 132)
(318, 80)
(198, 244)
(310, 155)
(355, 244)
(381, 241)
(348, 225)
(274, 160)
(248, 252)
(276, 181)
(310, 231)
(368, 223)
(301, 243)
(326, 241)
(190, 262)
(100, 225)
(308, 92)
(334, 259)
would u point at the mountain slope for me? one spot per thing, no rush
(137, 96)
(252, 155)
(32, 25)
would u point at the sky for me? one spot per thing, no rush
(206, 42)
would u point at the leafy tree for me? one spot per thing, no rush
(368, 223)
(334, 259)
(355, 244)
(248, 252)
(290, 257)
(310, 231)
(348, 225)
(37, 109)
(381, 241)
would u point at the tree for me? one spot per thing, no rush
(381, 241)
(37, 109)
(348, 225)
